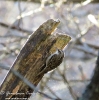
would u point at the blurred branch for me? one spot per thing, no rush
(20, 13)
(71, 81)
(52, 92)
(44, 84)
(15, 27)
(68, 85)
(83, 77)
(53, 1)
(88, 51)
(93, 20)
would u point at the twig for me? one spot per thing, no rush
(69, 87)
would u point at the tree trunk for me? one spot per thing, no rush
(92, 90)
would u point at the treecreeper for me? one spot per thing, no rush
(53, 61)
(35, 60)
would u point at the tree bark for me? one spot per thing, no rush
(92, 90)
(31, 58)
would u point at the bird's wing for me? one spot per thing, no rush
(50, 60)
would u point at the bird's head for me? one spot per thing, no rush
(60, 52)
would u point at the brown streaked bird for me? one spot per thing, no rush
(53, 61)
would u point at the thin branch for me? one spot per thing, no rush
(16, 28)
(69, 87)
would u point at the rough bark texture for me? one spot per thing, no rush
(31, 58)
(92, 90)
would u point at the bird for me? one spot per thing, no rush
(53, 61)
